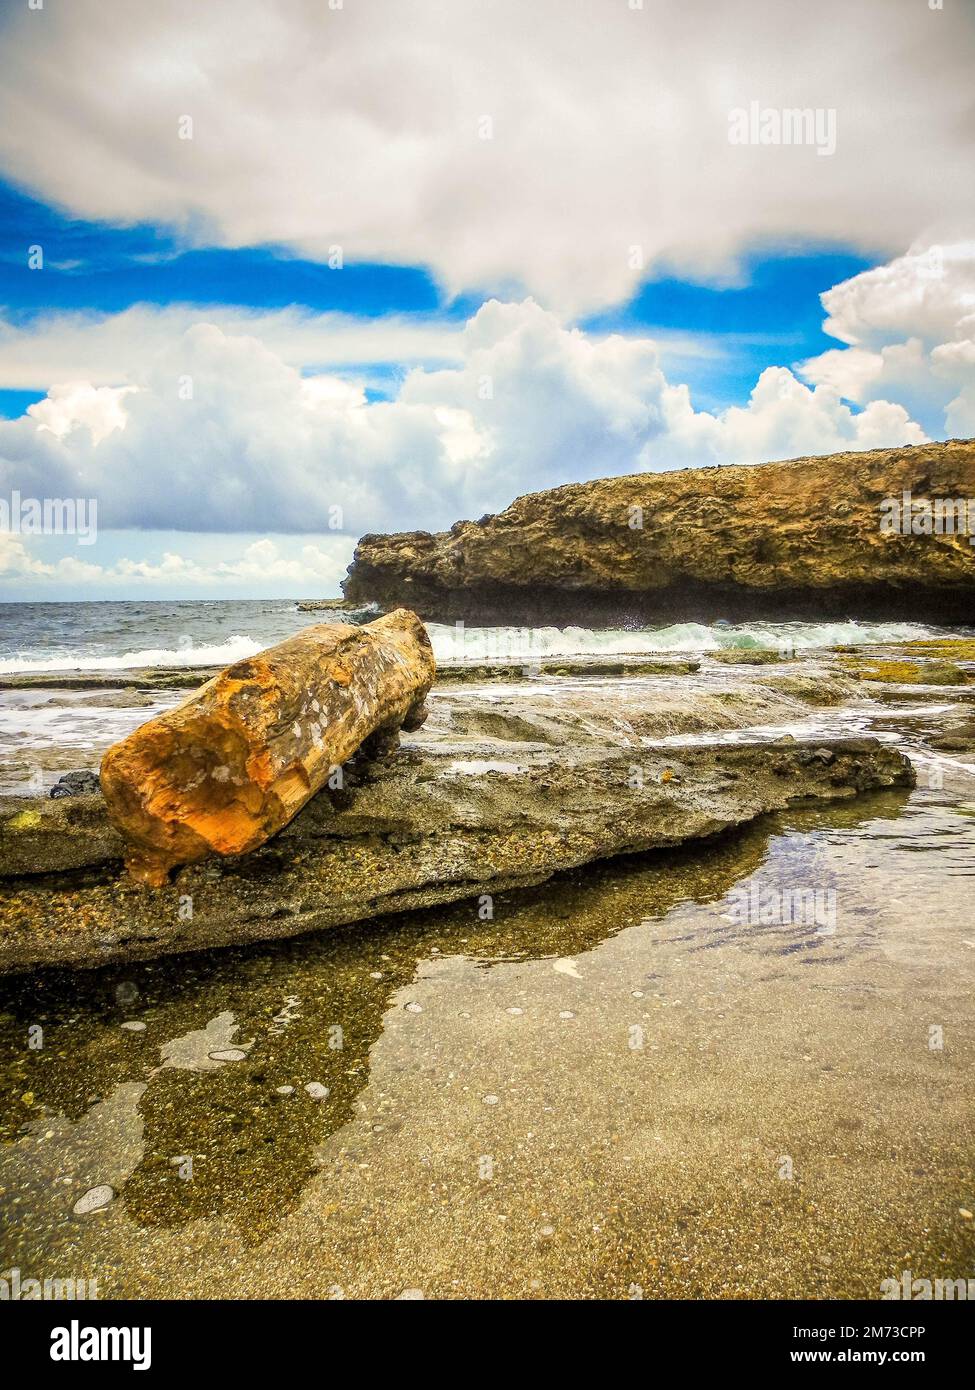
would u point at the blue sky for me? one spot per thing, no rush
(100, 266)
(556, 264)
(771, 316)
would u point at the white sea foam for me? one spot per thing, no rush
(221, 654)
(459, 642)
(515, 644)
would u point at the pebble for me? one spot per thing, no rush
(490, 1100)
(133, 1026)
(284, 1090)
(413, 1008)
(227, 1054)
(94, 1199)
(316, 1090)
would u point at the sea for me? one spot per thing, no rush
(118, 636)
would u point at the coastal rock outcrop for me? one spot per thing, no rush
(803, 539)
(496, 792)
(229, 766)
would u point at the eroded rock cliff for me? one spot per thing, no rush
(802, 538)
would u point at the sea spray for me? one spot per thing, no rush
(463, 642)
(236, 648)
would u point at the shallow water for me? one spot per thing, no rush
(613, 1086)
(46, 732)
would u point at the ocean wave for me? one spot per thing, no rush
(220, 654)
(506, 644)
(514, 644)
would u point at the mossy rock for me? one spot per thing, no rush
(906, 672)
(948, 648)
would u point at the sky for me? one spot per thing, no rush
(278, 273)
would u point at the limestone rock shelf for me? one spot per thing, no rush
(436, 826)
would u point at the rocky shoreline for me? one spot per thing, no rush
(509, 783)
(538, 928)
(522, 772)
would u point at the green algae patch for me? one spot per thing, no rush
(25, 820)
(954, 648)
(900, 672)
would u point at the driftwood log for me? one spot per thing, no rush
(230, 766)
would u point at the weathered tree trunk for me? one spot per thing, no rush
(231, 765)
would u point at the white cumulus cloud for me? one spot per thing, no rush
(910, 326)
(121, 347)
(259, 568)
(220, 434)
(561, 147)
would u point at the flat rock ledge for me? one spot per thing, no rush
(435, 826)
(455, 672)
